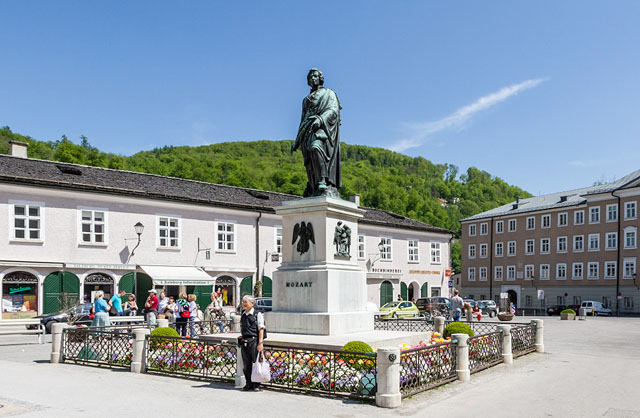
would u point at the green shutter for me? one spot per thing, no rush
(386, 293)
(127, 284)
(424, 290)
(403, 291)
(267, 286)
(144, 285)
(203, 295)
(246, 286)
(61, 290)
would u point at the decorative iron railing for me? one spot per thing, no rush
(191, 357)
(338, 373)
(484, 351)
(217, 326)
(523, 339)
(97, 346)
(423, 368)
(411, 325)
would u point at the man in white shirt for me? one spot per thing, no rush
(457, 304)
(252, 328)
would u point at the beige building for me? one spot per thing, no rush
(558, 249)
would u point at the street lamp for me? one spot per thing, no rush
(139, 228)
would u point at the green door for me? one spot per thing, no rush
(203, 295)
(61, 291)
(127, 284)
(266, 287)
(424, 291)
(386, 293)
(142, 290)
(246, 286)
(403, 291)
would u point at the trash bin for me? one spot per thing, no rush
(583, 313)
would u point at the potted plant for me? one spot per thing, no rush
(568, 314)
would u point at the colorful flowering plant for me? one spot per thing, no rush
(188, 356)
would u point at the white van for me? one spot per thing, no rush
(595, 308)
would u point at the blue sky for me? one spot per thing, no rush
(543, 94)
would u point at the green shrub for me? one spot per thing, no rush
(568, 311)
(457, 328)
(358, 362)
(162, 332)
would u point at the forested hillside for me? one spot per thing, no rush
(384, 179)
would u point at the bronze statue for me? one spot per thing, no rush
(319, 138)
(342, 240)
(304, 231)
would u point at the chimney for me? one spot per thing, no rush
(18, 149)
(355, 198)
(515, 205)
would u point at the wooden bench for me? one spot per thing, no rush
(6, 324)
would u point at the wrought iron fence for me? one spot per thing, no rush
(336, 373)
(485, 351)
(196, 328)
(191, 357)
(412, 325)
(523, 339)
(97, 346)
(423, 368)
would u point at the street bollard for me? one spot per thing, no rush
(438, 322)
(507, 353)
(56, 342)
(462, 356)
(163, 323)
(235, 323)
(138, 360)
(539, 323)
(469, 315)
(240, 379)
(388, 372)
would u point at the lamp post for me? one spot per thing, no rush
(139, 228)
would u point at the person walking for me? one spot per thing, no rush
(183, 314)
(101, 311)
(252, 330)
(151, 307)
(116, 302)
(457, 304)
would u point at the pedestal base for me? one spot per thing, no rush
(323, 323)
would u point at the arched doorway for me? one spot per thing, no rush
(227, 286)
(246, 286)
(513, 297)
(140, 289)
(95, 282)
(61, 291)
(267, 287)
(403, 291)
(414, 291)
(386, 292)
(19, 295)
(424, 290)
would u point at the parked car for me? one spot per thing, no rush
(595, 308)
(556, 309)
(78, 314)
(488, 307)
(263, 304)
(399, 309)
(434, 306)
(576, 308)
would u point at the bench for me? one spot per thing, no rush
(5, 328)
(126, 319)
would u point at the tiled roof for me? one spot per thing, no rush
(103, 180)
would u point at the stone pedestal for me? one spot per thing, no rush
(318, 291)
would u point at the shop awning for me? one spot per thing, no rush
(178, 275)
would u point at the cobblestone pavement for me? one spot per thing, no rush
(590, 369)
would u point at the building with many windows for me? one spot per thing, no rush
(71, 230)
(558, 249)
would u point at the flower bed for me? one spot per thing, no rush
(484, 351)
(86, 345)
(426, 365)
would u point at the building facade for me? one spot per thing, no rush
(558, 249)
(70, 230)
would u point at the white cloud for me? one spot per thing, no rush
(420, 131)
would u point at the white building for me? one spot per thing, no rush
(70, 231)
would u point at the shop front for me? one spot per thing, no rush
(174, 280)
(95, 282)
(19, 295)
(226, 285)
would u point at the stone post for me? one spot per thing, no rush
(240, 380)
(138, 360)
(56, 342)
(462, 356)
(469, 316)
(539, 323)
(388, 394)
(235, 324)
(507, 353)
(438, 323)
(163, 323)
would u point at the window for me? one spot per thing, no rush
(484, 228)
(612, 213)
(27, 222)
(435, 253)
(628, 302)
(629, 267)
(577, 300)
(499, 249)
(545, 245)
(511, 272)
(279, 241)
(471, 275)
(226, 236)
(484, 249)
(544, 272)
(577, 271)
(483, 274)
(606, 301)
(630, 210)
(610, 270)
(578, 243)
(578, 217)
(594, 270)
(498, 273)
(513, 225)
(594, 242)
(414, 253)
(385, 253)
(563, 219)
(612, 240)
(530, 246)
(562, 245)
(594, 215)
(92, 226)
(361, 249)
(472, 251)
(511, 248)
(168, 232)
(527, 300)
(528, 271)
(499, 227)
(546, 221)
(531, 222)
(472, 230)
(630, 237)
(560, 300)
(561, 271)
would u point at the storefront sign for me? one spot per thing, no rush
(19, 289)
(392, 271)
(424, 272)
(298, 284)
(101, 266)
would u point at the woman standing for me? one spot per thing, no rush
(101, 308)
(193, 315)
(183, 314)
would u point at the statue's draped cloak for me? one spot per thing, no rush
(322, 105)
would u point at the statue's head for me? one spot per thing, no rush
(318, 73)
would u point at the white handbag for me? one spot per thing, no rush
(260, 371)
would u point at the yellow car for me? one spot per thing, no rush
(399, 309)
